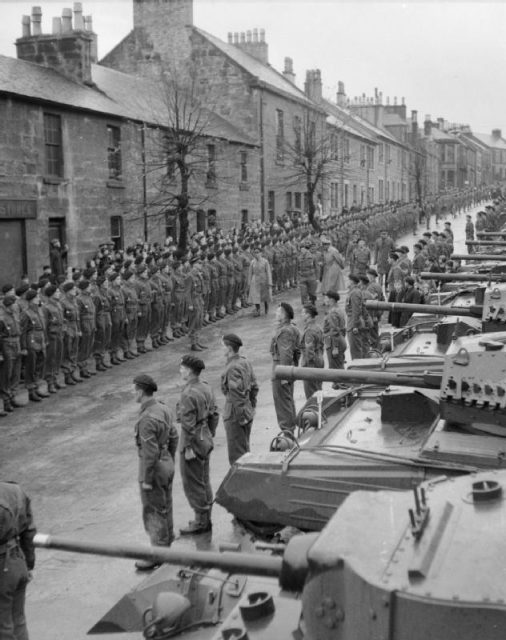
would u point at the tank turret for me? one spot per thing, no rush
(388, 564)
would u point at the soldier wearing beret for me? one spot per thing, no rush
(11, 351)
(240, 388)
(144, 307)
(156, 439)
(53, 314)
(311, 347)
(87, 324)
(334, 332)
(354, 317)
(102, 338)
(118, 316)
(131, 314)
(33, 345)
(71, 333)
(199, 417)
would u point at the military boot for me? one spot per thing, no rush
(69, 380)
(51, 387)
(41, 393)
(33, 396)
(201, 524)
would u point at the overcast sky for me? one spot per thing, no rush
(447, 58)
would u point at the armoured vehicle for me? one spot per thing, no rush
(390, 430)
(397, 565)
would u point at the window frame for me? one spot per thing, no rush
(114, 160)
(53, 151)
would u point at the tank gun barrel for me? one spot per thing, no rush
(474, 310)
(486, 243)
(491, 234)
(463, 277)
(479, 256)
(424, 381)
(251, 564)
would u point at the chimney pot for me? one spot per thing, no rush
(25, 24)
(262, 35)
(395, 101)
(255, 35)
(248, 36)
(388, 100)
(414, 116)
(230, 37)
(236, 37)
(36, 21)
(56, 26)
(288, 65)
(66, 20)
(78, 16)
(243, 37)
(89, 21)
(403, 101)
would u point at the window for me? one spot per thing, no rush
(271, 205)
(244, 217)
(114, 152)
(371, 195)
(362, 155)
(298, 201)
(380, 190)
(201, 220)
(297, 130)
(288, 201)
(334, 146)
(53, 145)
(354, 194)
(117, 232)
(450, 153)
(306, 203)
(387, 190)
(346, 195)
(381, 153)
(244, 166)
(280, 135)
(346, 150)
(333, 195)
(211, 164)
(170, 223)
(370, 157)
(387, 154)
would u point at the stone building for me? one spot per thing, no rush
(236, 78)
(82, 154)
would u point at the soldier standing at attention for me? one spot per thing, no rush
(144, 307)
(33, 344)
(311, 347)
(71, 333)
(87, 324)
(469, 232)
(118, 316)
(196, 304)
(156, 438)
(53, 313)
(285, 350)
(102, 323)
(354, 317)
(17, 559)
(10, 350)
(240, 388)
(131, 314)
(382, 248)
(199, 418)
(308, 274)
(334, 332)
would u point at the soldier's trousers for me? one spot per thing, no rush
(177, 316)
(129, 331)
(12, 595)
(166, 316)
(223, 292)
(195, 319)
(143, 322)
(102, 341)
(34, 368)
(230, 294)
(85, 347)
(336, 361)
(157, 506)
(196, 483)
(284, 404)
(11, 368)
(355, 343)
(308, 290)
(213, 301)
(117, 327)
(54, 355)
(155, 323)
(70, 350)
(311, 386)
(238, 436)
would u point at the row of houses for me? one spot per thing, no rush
(175, 117)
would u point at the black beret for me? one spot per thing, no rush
(22, 289)
(127, 274)
(394, 256)
(409, 280)
(195, 364)
(232, 339)
(373, 272)
(87, 273)
(288, 309)
(354, 278)
(364, 279)
(9, 300)
(50, 290)
(67, 286)
(30, 294)
(7, 287)
(83, 284)
(113, 276)
(311, 309)
(145, 382)
(101, 280)
(333, 295)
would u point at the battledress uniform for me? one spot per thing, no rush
(312, 354)
(285, 350)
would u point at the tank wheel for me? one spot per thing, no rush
(261, 529)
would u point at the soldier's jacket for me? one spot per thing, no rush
(16, 523)
(117, 302)
(214, 274)
(179, 281)
(33, 329)
(86, 311)
(396, 274)
(240, 388)
(194, 288)
(72, 325)
(405, 265)
(167, 284)
(229, 266)
(156, 438)
(130, 296)
(334, 327)
(143, 296)
(156, 289)
(312, 345)
(9, 324)
(308, 265)
(354, 309)
(199, 418)
(238, 267)
(419, 263)
(360, 259)
(285, 345)
(53, 313)
(101, 300)
(206, 278)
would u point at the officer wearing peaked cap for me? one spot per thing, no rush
(156, 439)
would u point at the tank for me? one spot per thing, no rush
(388, 430)
(388, 564)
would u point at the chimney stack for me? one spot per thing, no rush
(427, 125)
(288, 70)
(341, 94)
(78, 17)
(414, 123)
(36, 21)
(25, 23)
(313, 85)
(250, 42)
(56, 26)
(496, 134)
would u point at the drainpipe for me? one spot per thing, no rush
(144, 183)
(262, 158)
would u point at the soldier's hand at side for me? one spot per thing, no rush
(146, 486)
(355, 331)
(30, 576)
(189, 454)
(23, 352)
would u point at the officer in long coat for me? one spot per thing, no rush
(199, 417)
(285, 350)
(156, 438)
(17, 559)
(240, 388)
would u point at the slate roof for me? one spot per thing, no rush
(488, 140)
(347, 121)
(442, 136)
(116, 94)
(264, 72)
(393, 120)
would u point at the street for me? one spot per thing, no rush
(75, 456)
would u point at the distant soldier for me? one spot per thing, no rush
(144, 307)
(334, 332)
(469, 232)
(10, 350)
(311, 347)
(118, 316)
(131, 314)
(259, 282)
(17, 558)
(87, 326)
(308, 274)
(57, 256)
(383, 246)
(33, 345)
(240, 388)
(360, 259)
(53, 313)
(354, 317)
(285, 350)
(196, 304)
(71, 333)
(199, 417)
(156, 438)
(333, 265)
(102, 338)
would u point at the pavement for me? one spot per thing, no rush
(75, 456)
